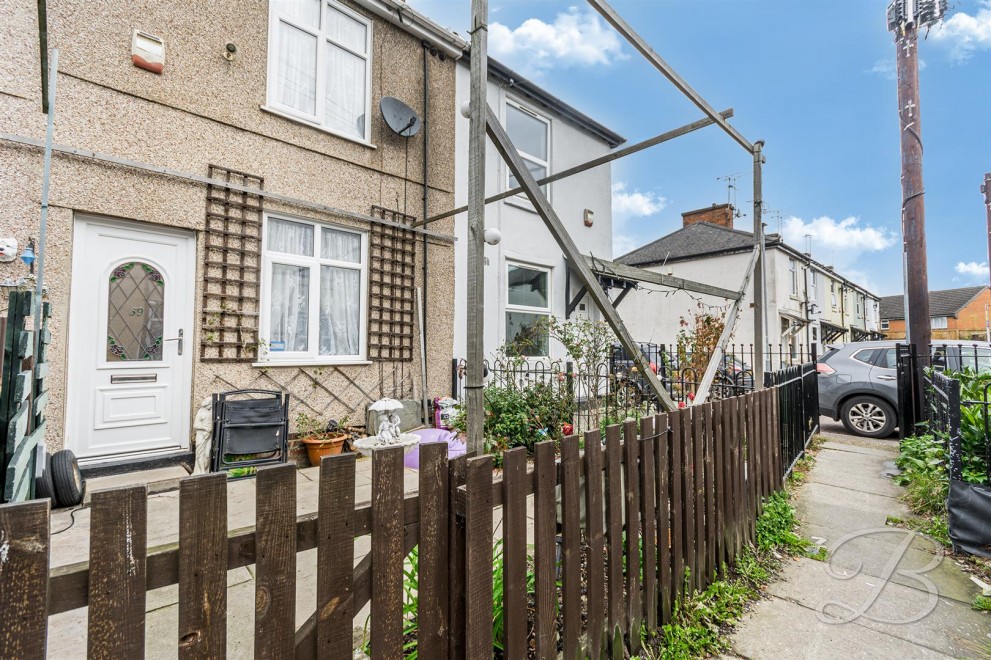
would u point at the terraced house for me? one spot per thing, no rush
(229, 208)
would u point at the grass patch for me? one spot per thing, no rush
(982, 603)
(702, 621)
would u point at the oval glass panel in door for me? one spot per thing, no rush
(135, 311)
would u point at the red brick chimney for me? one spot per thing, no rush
(717, 214)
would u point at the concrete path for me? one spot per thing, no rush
(67, 631)
(884, 593)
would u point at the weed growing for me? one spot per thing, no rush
(700, 622)
(982, 603)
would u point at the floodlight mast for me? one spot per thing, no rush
(905, 17)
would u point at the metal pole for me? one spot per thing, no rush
(986, 189)
(638, 42)
(46, 179)
(595, 162)
(474, 403)
(760, 296)
(913, 206)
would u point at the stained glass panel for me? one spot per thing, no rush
(135, 312)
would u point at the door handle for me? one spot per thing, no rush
(178, 339)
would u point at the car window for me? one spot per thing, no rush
(889, 358)
(866, 355)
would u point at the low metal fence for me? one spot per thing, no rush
(798, 394)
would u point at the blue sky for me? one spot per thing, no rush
(814, 80)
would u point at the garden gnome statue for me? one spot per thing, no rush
(388, 431)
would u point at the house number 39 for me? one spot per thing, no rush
(137, 311)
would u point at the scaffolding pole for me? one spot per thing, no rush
(760, 295)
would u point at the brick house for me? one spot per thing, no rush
(955, 313)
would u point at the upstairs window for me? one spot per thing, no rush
(318, 68)
(793, 271)
(531, 135)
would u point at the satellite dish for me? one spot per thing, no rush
(400, 117)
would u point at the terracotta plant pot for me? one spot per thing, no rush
(325, 444)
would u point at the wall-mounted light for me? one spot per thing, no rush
(28, 255)
(230, 50)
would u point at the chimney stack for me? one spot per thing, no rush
(717, 214)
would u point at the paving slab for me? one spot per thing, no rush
(884, 593)
(921, 616)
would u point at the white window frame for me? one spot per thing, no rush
(524, 155)
(318, 120)
(793, 270)
(312, 355)
(939, 322)
(525, 309)
(884, 325)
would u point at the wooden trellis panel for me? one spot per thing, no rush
(232, 269)
(391, 309)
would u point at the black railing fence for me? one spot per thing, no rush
(612, 390)
(798, 405)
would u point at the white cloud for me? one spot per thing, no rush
(972, 269)
(629, 204)
(575, 38)
(837, 241)
(886, 68)
(635, 204)
(964, 34)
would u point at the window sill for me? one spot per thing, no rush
(310, 363)
(322, 129)
(520, 203)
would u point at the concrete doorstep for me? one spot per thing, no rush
(885, 592)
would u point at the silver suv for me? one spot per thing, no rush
(858, 382)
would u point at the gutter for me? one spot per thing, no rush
(405, 17)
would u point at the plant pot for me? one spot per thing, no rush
(325, 444)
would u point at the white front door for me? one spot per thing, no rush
(130, 339)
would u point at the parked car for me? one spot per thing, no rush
(858, 382)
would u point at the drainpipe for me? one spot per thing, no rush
(426, 144)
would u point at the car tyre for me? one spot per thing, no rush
(69, 483)
(44, 487)
(868, 416)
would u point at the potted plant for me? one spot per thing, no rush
(320, 439)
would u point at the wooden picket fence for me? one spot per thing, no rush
(677, 492)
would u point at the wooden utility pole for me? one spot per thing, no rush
(474, 402)
(905, 17)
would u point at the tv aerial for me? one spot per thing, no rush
(399, 117)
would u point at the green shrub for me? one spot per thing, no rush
(522, 416)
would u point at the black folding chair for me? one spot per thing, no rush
(252, 423)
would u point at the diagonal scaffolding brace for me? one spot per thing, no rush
(585, 275)
(702, 393)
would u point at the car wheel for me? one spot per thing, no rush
(68, 482)
(868, 416)
(44, 488)
(627, 396)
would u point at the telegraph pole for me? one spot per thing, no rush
(905, 17)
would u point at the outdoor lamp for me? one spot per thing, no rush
(28, 256)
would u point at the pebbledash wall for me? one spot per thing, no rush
(203, 110)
